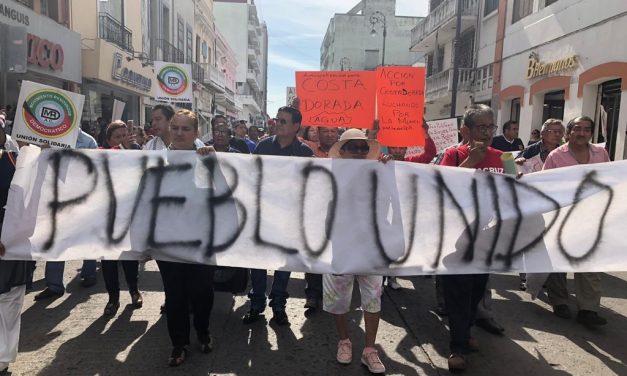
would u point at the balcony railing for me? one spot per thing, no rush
(162, 50)
(218, 78)
(198, 72)
(483, 78)
(113, 31)
(441, 84)
(441, 14)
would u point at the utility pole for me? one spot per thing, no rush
(458, 25)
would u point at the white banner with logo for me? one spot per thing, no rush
(320, 215)
(173, 82)
(47, 115)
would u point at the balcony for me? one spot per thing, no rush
(162, 50)
(216, 79)
(440, 84)
(113, 31)
(249, 100)
(251, 78)
(443, 20)
(198, 72)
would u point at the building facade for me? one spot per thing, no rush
(114, 63)
(239, 23)
(562, 59)
(530, 60)
(52, 50)
(435, 37)
(355, 40)
(227, 103)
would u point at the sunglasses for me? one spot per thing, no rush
(356, 148)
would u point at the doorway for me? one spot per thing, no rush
(553, 105)
(608, 110)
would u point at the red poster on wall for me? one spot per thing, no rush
(337, 99)
(400, 105)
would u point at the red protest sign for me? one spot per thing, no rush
(400, 105)
(337, 99)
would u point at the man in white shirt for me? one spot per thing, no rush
(162, 114)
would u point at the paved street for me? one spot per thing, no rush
(69, 337)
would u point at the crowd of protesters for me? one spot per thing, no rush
(466, 299)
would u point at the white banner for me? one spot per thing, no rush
(174, 82)
(320, 215)
(47, 115)
(443, 132)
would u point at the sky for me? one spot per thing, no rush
(295, 32)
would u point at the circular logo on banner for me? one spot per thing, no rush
(49, 113)
(173, 80)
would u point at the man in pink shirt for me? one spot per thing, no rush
(577, 151)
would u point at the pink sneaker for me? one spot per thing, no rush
(370, 358)
(344, 351)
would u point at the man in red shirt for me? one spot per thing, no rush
(462, 293)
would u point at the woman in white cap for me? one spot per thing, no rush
(338, 289)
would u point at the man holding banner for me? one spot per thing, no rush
(284, 143)
(577, 151)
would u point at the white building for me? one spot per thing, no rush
(562, 59)
(243, 31)
(531, 60)
(434, 36)
(355, 40)
(227, 103)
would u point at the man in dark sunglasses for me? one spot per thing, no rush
(284, 143)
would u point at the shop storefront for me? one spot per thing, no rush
(567, 77)
(114, 75)
(53, 51)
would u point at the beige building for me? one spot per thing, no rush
(53, 51)
(113, 63)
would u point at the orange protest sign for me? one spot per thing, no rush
(400, 105)
(337, 99)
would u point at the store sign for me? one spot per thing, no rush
(53, 50)
(128, 76)
(45, 53)
(10, 13)
(537, 68)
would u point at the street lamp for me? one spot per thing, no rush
(345, 64)
(378, 17)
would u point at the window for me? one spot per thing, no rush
(180, 36)
(189, 45)
(50, 8)
(522, 8)
(466, 49)
(490, 6)
(372, 59)
(165, 30)
(197, 48)
(515, 110)
(28, 3)
(115, 8)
